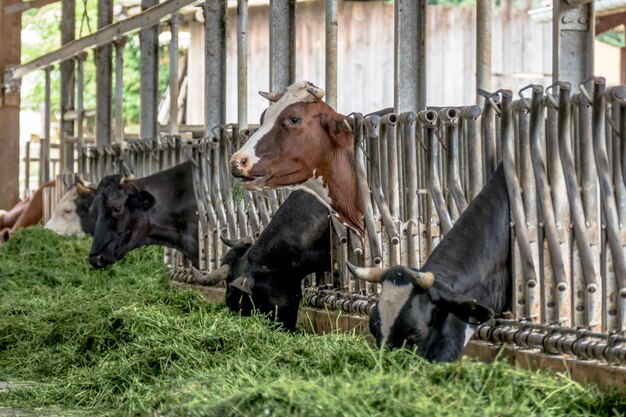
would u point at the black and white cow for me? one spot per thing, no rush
(71, 215)
(464, 282)
(159, 209)
(266, 276)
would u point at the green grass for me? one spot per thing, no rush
(120, 341)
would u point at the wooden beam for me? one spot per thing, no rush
(604, 23)
(101, 37)
(10, 50)
(26, 5)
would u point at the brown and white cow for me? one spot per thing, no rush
(304, 142)
(31, 215)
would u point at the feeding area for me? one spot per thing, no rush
(419, 184)
(121, 341)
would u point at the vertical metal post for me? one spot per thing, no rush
(242, 64)
(573, 28)
(215, 64)
(282, 43)
(332, 22)
(68, 30)
(410, 55)
(484, 17)
(175, 23)
(44, 153)
(103, 55)
(119, 89)
(148, 88)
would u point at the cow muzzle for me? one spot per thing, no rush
(98, 261)
(241, 164)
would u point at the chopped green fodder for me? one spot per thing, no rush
(120, 341)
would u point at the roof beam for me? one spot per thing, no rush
(26, 5)
(103, 36)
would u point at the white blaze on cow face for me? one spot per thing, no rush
(65, 219)
(296, 93)
(392, 299)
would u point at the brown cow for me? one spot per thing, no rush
(31, 215)
(303, 142)
(8, 218)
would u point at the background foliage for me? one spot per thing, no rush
(41, 34)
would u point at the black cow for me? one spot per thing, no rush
(159, 209)
(266, 276)
(463, 283)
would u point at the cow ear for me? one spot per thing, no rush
(465, 308)
(243, 283)
(339, 128)
(141, 200)
(470, 311)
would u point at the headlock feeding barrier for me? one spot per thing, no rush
(562, 155)
(562, 148)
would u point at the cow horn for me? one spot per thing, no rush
(423, 279)
(366, 274)
(127, 174)
(243, 283)
(234, 242)
(83, 187)
(271, 96)
(209, 278)
(316, 92)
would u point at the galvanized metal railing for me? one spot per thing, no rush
(418, 169)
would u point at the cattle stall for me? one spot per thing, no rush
(418, 168)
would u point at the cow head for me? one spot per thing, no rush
(302, 140)
(72, 216)
(414, 311)
(121, 211)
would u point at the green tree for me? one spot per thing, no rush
(41, 34)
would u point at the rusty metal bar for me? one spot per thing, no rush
(609, 206)
(364, 191)
(470, 115)
(429, 118)
(589, 272)
(538, 159)
(371, 124)
(515, 198)
(393, 193)
(449, 117)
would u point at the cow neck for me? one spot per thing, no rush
(340, 181)
(174, 217)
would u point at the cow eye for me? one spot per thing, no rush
(293, 120)
(117, 210)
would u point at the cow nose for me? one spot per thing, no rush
(240, 165)
(97, 261)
